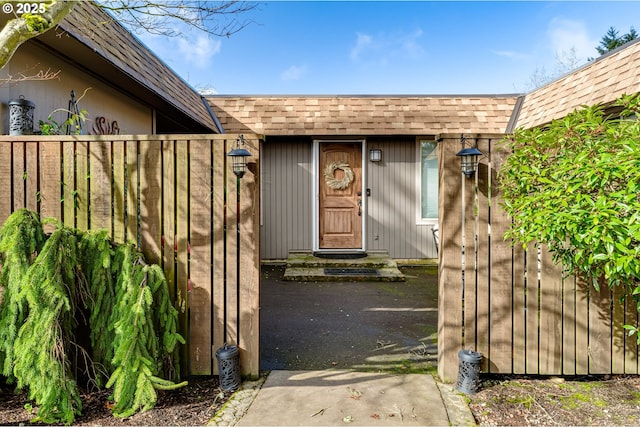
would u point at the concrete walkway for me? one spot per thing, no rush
(333, 351)
(340, 398)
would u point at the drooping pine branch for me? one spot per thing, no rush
(56, 288)
(138, 355)
(21, 239)
(96, 254)
(43, 342)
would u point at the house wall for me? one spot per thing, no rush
(287, 195)
(100, 99)
(393, 205)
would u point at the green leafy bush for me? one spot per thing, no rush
(575, 186)
(74, 307)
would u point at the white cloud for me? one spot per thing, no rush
(294, 72)
(410, 44)
(199, 51)
(565, 35)
(363, 42)
(511, 54)
(383, 46)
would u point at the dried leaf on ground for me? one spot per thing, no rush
(593, 401)
(195, 404)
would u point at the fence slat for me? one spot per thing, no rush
(100, 185)
(200, 261)
(19, 199)
(182, 234)
(483, 289)
(69, 183)
(218, 198)
(582, 327)
(550, 315)
(5, 179)
(519, 312)
(631, 342)
(131, 154)
(50, 182)
(151, 209)
(168, 228)
(532, 309)
(600, 331)
(569, 326)
(450, 273)
(31, 176)
(618, 346)
(82, 185)
(249, 264)
(119, 191)
(501, 311)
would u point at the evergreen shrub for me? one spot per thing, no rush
(77, 310)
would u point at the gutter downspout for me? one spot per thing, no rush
(215, 119)
(515, 114)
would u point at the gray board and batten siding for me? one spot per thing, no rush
(391, 222)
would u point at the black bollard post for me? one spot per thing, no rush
(469, 371)
(229, 367)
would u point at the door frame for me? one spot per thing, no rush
(315, 220)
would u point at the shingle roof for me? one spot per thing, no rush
(363, 115)
(599, 82)
(112, 41)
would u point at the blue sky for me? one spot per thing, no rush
(379, 47)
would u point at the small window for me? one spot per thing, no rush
(428, 181)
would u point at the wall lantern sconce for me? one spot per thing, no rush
(21, 116)
(468, 159)
(375, 155)
(239, 157)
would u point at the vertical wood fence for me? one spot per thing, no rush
(514, 306)
(177, 199)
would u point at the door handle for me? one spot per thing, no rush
(359, 207)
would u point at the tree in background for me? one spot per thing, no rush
(611, 40)
(216, 18)
(568, 61)
(565, 62)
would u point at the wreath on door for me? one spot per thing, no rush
(332, 181)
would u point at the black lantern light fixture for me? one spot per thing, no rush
(468, 159)
(239, 157)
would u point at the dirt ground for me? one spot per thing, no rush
(610, 401)
(501, 401)
(193, 405)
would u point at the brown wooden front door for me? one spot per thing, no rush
(340, 195)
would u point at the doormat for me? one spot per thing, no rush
(340, 255)
(351, 271)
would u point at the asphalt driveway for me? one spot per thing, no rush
(368, 326)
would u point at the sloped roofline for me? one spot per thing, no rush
(383, 95)
(599, 82)
(586, 65)
(333, 115)
(122, 49)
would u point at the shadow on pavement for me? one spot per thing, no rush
(366, 326)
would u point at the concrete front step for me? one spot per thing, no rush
(304, 266)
